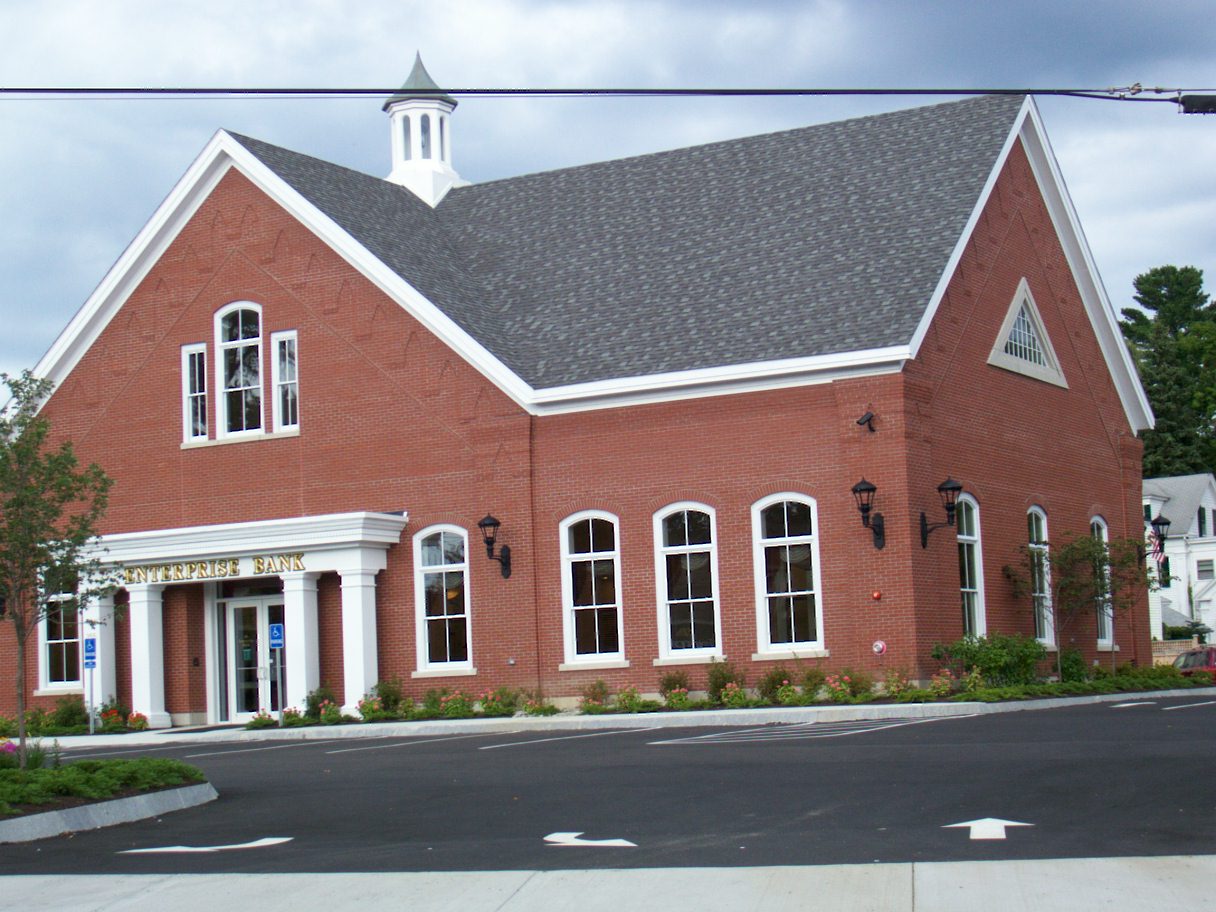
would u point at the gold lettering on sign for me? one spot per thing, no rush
(220, 568)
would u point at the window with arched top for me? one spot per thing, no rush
(239, 364)
(785, 554)
(1040, 575)
(406, 147)
(1103, 610)
(591, 588)
(441, 597)
(686, 574)
(425, 135)
(970, 566)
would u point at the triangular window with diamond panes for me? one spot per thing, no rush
(1022, 344)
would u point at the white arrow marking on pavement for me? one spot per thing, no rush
(572, 839)
(986, 827)
(256, 844)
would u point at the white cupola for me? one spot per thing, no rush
(420, 121)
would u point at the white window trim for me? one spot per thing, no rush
(1049, 620)
(981, 607)
(599, 659)
(427, 668)
(220, 393)
(764, 647)
(276, 339)
(45, 685)
(1104, 642)
(998, 357)
(666, 653)
(198, 348)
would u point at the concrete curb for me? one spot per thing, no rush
(572, 722)
(105, 813)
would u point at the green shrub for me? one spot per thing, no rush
(673, 680)
(91, 779)
(293, 718)
(718, 676)
(262, 720)
(771, 681)
(594, 699)
(677, 698)
(456, 705)
(812, 682)
(1002, 659)
(391, 696)
(536, 705)
(734, 695)
(69, 712)
(1072, 666)
(630, 701)
(312, 702)
(896, 682)
(500, 702)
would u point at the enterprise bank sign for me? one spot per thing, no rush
(220, 568)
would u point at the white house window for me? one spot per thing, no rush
(442, 598)
(194, 392)
(61, 643)
(1040, 575)
(286, 381)
(239, 352)
(1103, 609)
(786, 558)
(1203, 522)
(591, 586)
(1203, 570)
(970, 566)
(686, 574)
(1022, 344)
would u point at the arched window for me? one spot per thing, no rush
(1040, 575)
(425, 136)
(970, 566)
(1102, 607)
(239, 357)
(686, 575)
(407, 149)
(441, 595)
(785, 552)
(591, 587)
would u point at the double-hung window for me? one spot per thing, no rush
(1040, 575)
(786, 559)
(61, 643)
(194, 392)
(286, 381)
(1103, 608)
(442, 599)
(591, 586)
(686, 576)
(970, 567)
(240, 365)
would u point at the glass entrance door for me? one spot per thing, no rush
(253, 667)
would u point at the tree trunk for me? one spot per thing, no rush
(21, 632)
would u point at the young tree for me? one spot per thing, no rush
(49, 510)
(1172, 337)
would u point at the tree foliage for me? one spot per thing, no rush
(49, 511)
(1172, 337)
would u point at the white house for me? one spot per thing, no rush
(1188, 571)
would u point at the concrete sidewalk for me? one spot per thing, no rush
(1072, 885)
(715, 718)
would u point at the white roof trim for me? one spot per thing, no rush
(1028, 127)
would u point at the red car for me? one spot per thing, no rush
(1193, 660)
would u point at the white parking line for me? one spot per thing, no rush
(412, 741)
(1130, 705)
(621, 731)
(1189, 705)
(246, 750)
(804, 730)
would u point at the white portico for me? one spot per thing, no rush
(252, 574)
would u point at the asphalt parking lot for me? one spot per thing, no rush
(1109, 779)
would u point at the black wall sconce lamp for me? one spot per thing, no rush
(489, 531)
(948, 490)
(863, 493)
(867, 421)
(1161, 528)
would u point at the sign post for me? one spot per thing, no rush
(90, 665)
(276, 646)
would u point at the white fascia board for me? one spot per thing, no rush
(718, 381)
(312, 533)
(1084, 270)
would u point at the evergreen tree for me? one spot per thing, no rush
(1173, 341)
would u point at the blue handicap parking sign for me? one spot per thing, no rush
(276, 636)
(90, 652)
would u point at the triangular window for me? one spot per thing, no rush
(1022, 344)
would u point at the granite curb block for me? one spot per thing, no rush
(573, 722)
(105, 813)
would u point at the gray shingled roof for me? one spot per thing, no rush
(1182, 495)
(814, 241)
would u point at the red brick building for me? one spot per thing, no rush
(310, 384)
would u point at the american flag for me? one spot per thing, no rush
(1158, 548)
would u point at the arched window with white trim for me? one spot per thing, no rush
(238, 344)
(970, 566)
(591, 588)
(1103, 610)
(686, 576)
(1039, 552)
(441, 596)
(785, 557)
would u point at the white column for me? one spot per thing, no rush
(359, 663)
(148, 653)
(98, 615)
(300, 636)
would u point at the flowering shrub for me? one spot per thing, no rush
(329, 712)
(629, 700)
(733, 695)
(942, 683)
(456, 705)
(113, 719)
(137, 722)
(787, 694)
(896, 682)
(536, 706)
(293, 718)
(677, 698)
(372, 709)
(594, 699)
(972, 681)
(500, 702)
(840, 687)
(262, 720)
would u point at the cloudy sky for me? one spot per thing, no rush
(81, 177)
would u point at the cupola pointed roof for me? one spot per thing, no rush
(419, 85)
